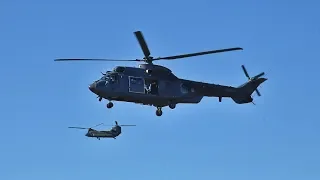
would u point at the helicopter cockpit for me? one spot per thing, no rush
(109, 78)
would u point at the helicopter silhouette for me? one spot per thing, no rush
(155, 85)
(112, 133)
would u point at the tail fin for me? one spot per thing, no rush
(251, 86)
(245, 90)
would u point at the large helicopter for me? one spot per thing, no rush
(113, 133)
(157, 86)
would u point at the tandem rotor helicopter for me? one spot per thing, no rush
(113, 133)
(157, 86)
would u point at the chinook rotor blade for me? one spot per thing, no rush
(84, 59)
(143, 43)
(78, 127)
(197, 54)
(116, 122)
(127, 125)
(86, 128)
(97, 125)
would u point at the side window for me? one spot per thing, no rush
(186, 89)
(136, 84)
(136, 81)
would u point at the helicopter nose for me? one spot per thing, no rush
(92, 87)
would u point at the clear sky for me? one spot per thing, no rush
(40, 98)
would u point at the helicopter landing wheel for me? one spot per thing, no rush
(109, 105)
(100, 98)
(159, 112)
(172, 106)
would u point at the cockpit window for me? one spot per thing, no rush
(109, 78)
(105, 77)
(112, 78)
(119, 69)
(184, 88)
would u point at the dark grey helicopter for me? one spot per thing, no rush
(113, 133)
(157, 86)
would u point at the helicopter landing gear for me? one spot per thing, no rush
(99, 98)
(172, 106)
(159, 111)
(109, 105)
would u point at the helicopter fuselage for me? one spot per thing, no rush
(148, 85)
(103, 134)
(157, 86)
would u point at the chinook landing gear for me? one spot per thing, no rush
(159, 111)
(109, 105)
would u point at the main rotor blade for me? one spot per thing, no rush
(142, 43)
(78, 127)
(198, 54)
(97, 125)
(119, 125)
(245, 71)
(84, 59)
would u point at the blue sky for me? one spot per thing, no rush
(40, 98)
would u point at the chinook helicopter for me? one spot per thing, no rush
(157, 86)
(113, 133)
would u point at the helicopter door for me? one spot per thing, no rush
(151, 86)
(136, 84)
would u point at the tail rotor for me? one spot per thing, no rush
(252, 78)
